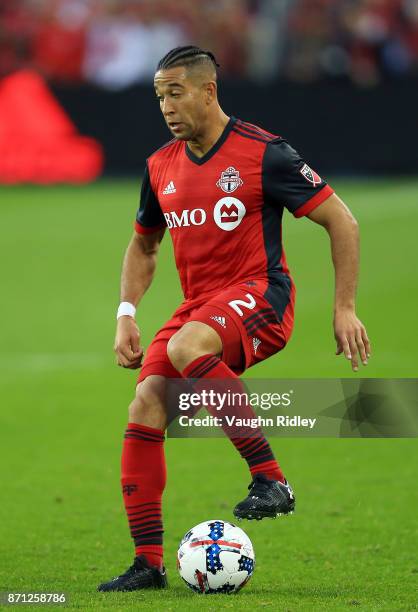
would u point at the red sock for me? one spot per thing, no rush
(143, 481)
(250, 443)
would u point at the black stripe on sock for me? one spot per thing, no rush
(149, 512)
(149, 526)
(210, 367)
(195, 372)
(267, 456)
(139, 541)
(151, 434)
(143, 505)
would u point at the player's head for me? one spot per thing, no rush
(185, 84)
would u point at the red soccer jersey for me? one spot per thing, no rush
(224, 210)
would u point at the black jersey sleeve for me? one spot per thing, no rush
(289, 181)
(149, 217)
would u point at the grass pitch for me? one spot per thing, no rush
(352, 542)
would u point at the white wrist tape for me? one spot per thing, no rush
(126, 309)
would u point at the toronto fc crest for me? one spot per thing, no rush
(310, 175)
(230, 180)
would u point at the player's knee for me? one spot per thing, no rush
(148, 406)
(178, 352)
(193, 340)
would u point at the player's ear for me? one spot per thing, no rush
(210, 91)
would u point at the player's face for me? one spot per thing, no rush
(182, 102)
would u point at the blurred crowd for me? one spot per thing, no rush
(366, 40)
(116, 43)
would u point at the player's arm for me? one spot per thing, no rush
(139, 265)
(350, 333)
(289, 181)
(138, 271)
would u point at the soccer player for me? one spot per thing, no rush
(220, 187)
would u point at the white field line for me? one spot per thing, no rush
(49, 362)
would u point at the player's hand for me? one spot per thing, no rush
(127, 343)
(351, 337)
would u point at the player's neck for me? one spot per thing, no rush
(209, 135)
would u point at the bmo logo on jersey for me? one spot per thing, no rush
(197, 216)
(228, 213)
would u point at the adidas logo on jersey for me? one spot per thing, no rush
(256, 344)
(170, 188)
(220, 320)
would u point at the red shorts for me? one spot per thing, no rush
(253, 319)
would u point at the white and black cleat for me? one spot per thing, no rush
(267, 499)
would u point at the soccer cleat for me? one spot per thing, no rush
(140, 575)
(267, 498)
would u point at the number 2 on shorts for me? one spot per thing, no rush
(235, 304)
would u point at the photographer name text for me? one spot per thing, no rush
(233, 421)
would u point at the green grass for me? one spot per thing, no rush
(352, 542)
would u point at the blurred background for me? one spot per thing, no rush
(78, 117)
(116, 43)
(341, 74)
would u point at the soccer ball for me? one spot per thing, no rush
(215, 557)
